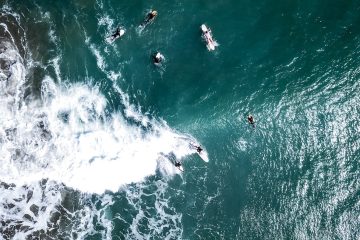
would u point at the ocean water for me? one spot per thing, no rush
(89, 130)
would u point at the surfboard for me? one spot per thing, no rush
(203, 154)
(180, 168)
(203, 27)
(112, 39)
(210, 44)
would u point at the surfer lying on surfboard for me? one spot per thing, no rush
(149, 18)
(207, 35)
(251, 120)
(119, 32)
(157, 58)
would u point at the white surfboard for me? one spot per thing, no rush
(112, 39)
(204, 28)
(210, 42)
(210, 46)
(180, 168)
(203, 154)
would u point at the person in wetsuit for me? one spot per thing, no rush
(177, 164)
(116, 34)
(157, 58)
(149, 17)
(251, 120)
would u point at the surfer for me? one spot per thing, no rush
(157, 58)
(150, 17)
(207, 35)
(119, 32)
(251, 120)
(198, 149)
(179, 165)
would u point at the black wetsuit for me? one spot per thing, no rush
(117, 33)
(150, 17)
(177, 164)
(251, 121)
(156, 60)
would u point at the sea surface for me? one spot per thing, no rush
(90, 130)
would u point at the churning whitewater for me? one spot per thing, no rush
(65, 137)
(68, 138)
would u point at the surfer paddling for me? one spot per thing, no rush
(118, 33)
(207, 35)
(157, 58)
(149, 17)
(251, 120)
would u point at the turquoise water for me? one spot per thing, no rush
(293, 65)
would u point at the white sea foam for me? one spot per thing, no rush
(67, 137)
(165, 218)
(99, 59)
(29, 207)
(105, 21)
(242, 144)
